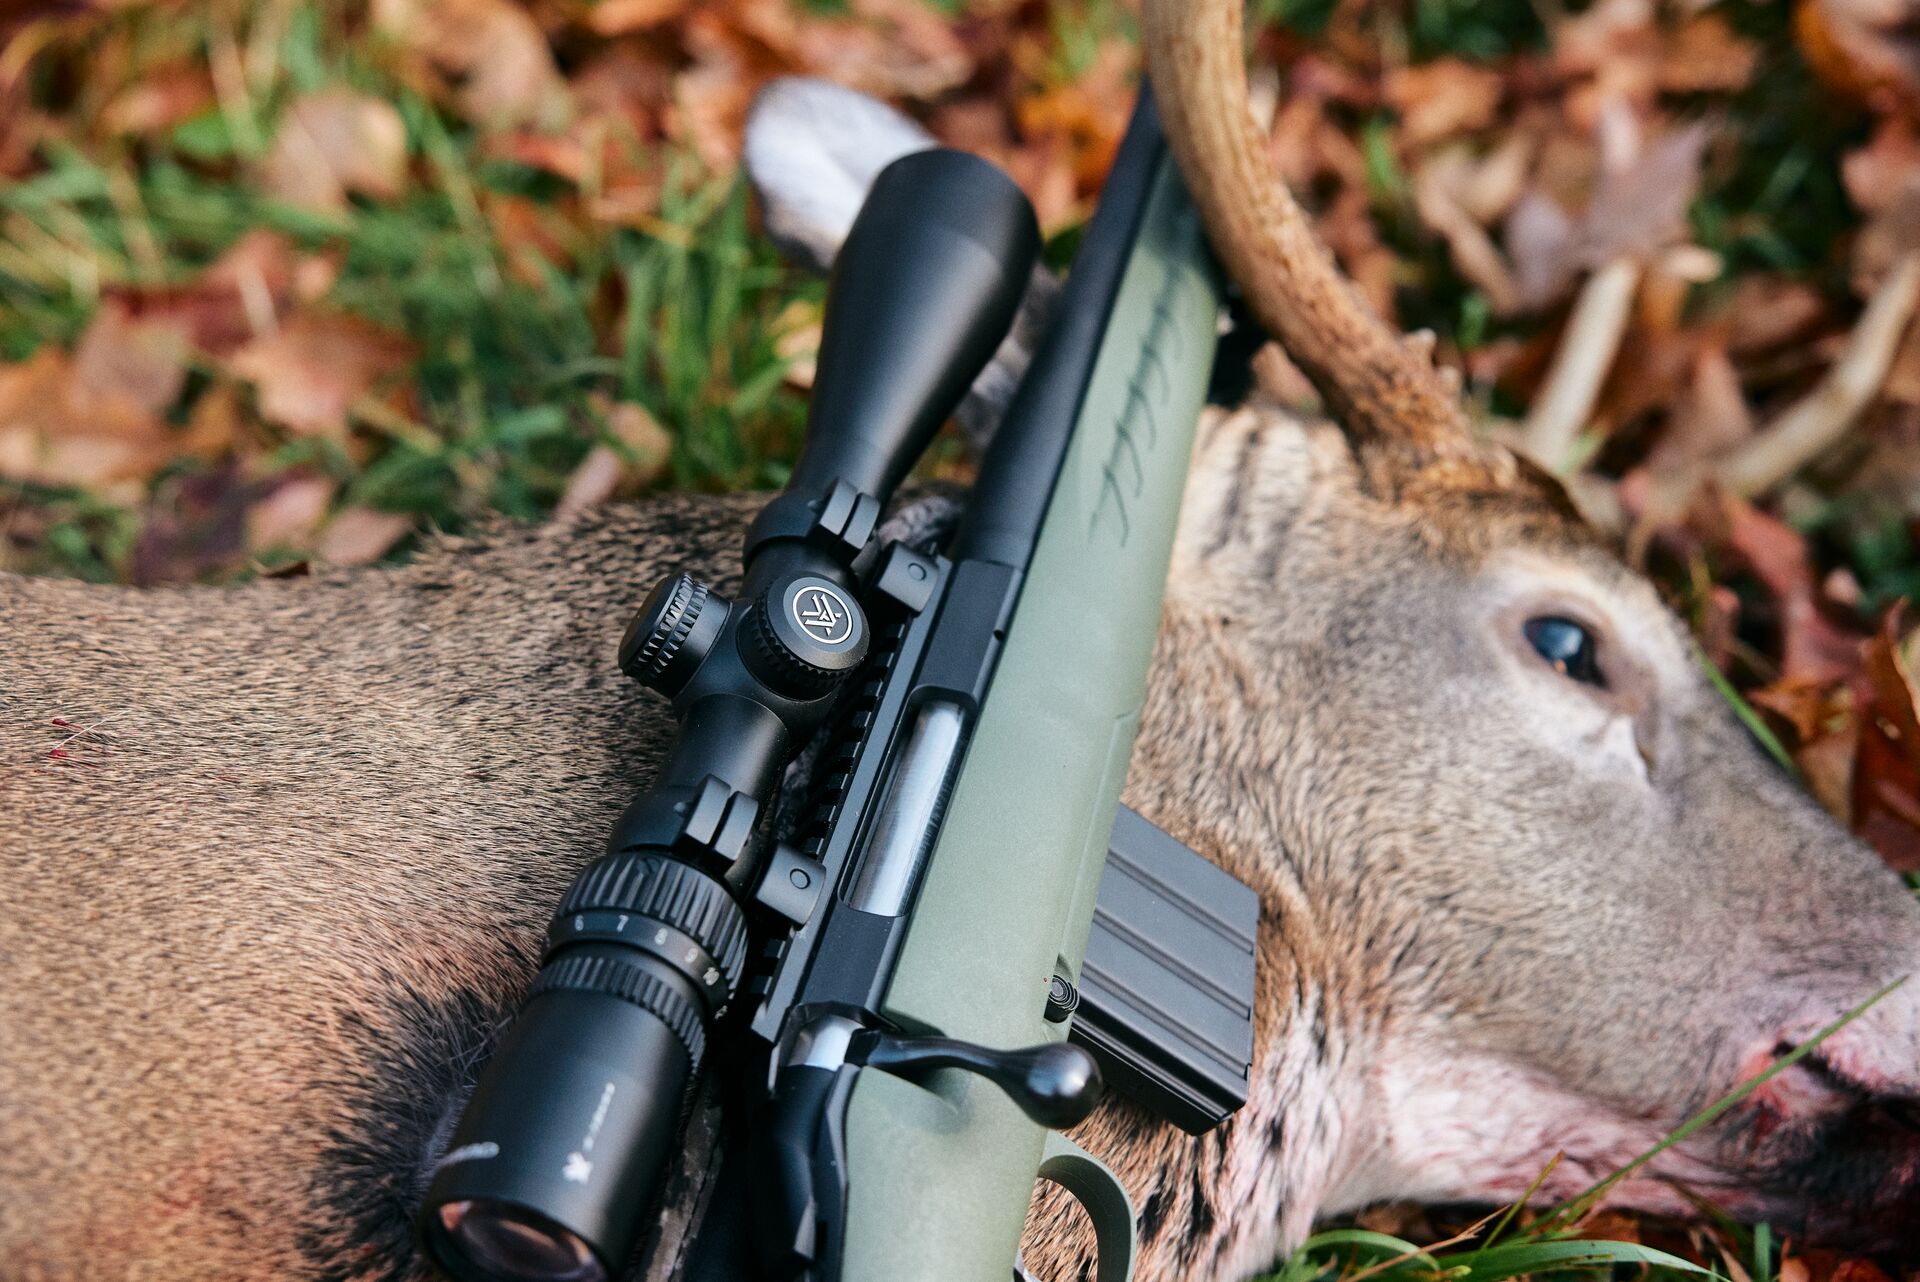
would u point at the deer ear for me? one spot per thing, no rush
(812, 150)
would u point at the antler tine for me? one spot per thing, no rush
(1378, 388)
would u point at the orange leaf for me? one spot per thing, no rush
(312, 370)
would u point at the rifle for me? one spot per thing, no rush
(971, 714)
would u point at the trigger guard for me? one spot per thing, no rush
(1100, 1192)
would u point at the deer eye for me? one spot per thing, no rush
(1567, 646)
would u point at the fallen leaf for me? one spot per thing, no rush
(333, 143)
(1709, 416)
(1442, 98)
(360, 535)
(1642, 206)
(592, 482)
(159, 100)
(242, 295)
(55, 430)
(619, 17)
(1768, 311)
(1812, 648)
(289, 516)
(1707, 56)
(1864, 50)
(493, 48)
(310, 372)
(141, 361)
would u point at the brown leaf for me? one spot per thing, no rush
(311, 371)
(159, 100)
(592, 482)
(241, 295)
(360, 535)
(1864, 50)
(141, 361)
(1543, 243)
(494, 48)
(1442, 98)
(1826, 764)
(1813, 649)
(333, 143)
(288, 517)
(1642, 206)
(55, 430)
(895, 49)
(632, 458)
(1707, 56)
(1768, 312)
(1709, 416)
(619, 17)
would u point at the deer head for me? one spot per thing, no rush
(1530, 889)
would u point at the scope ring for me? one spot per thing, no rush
(633, 984)
(672, 893)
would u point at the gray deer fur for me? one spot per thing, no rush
(276, 860)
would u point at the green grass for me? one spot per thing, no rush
(681, 316)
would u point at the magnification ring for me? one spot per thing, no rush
(670, 892)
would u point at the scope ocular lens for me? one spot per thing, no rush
(482, 1239)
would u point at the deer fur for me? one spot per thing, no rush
(276, 860)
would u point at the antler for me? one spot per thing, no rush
(1378, 386)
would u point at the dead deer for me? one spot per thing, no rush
(276, 858)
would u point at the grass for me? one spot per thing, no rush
(522, 344)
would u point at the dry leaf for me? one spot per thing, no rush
(1442, 98)
(634, 458)
(1864, 50)
(360, 535)
(1642, 206)
(1707, 56)
(242, 295)
(158, 101)
(1708, 417)
(289, 516)
(494, 48)
(618, 17)
(333, 143)
(592, 482)
(141, 361)
(310, 372)
(54, 430)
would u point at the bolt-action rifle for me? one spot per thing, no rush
(907, 994)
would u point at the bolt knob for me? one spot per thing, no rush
(803, 635)
(671, 634)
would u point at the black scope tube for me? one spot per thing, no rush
(1022, 464)
(566, 1137)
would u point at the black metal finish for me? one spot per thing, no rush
(1056, 1084)
(562, 1145)
(1166, 989)
(1011, 495)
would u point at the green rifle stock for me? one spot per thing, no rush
(940, 1171)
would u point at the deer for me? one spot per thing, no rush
(276, 857)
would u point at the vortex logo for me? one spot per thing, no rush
(823, 615)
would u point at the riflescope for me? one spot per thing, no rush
(562, 1147)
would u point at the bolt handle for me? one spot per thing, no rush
(923, 291)
(1056, 1084)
